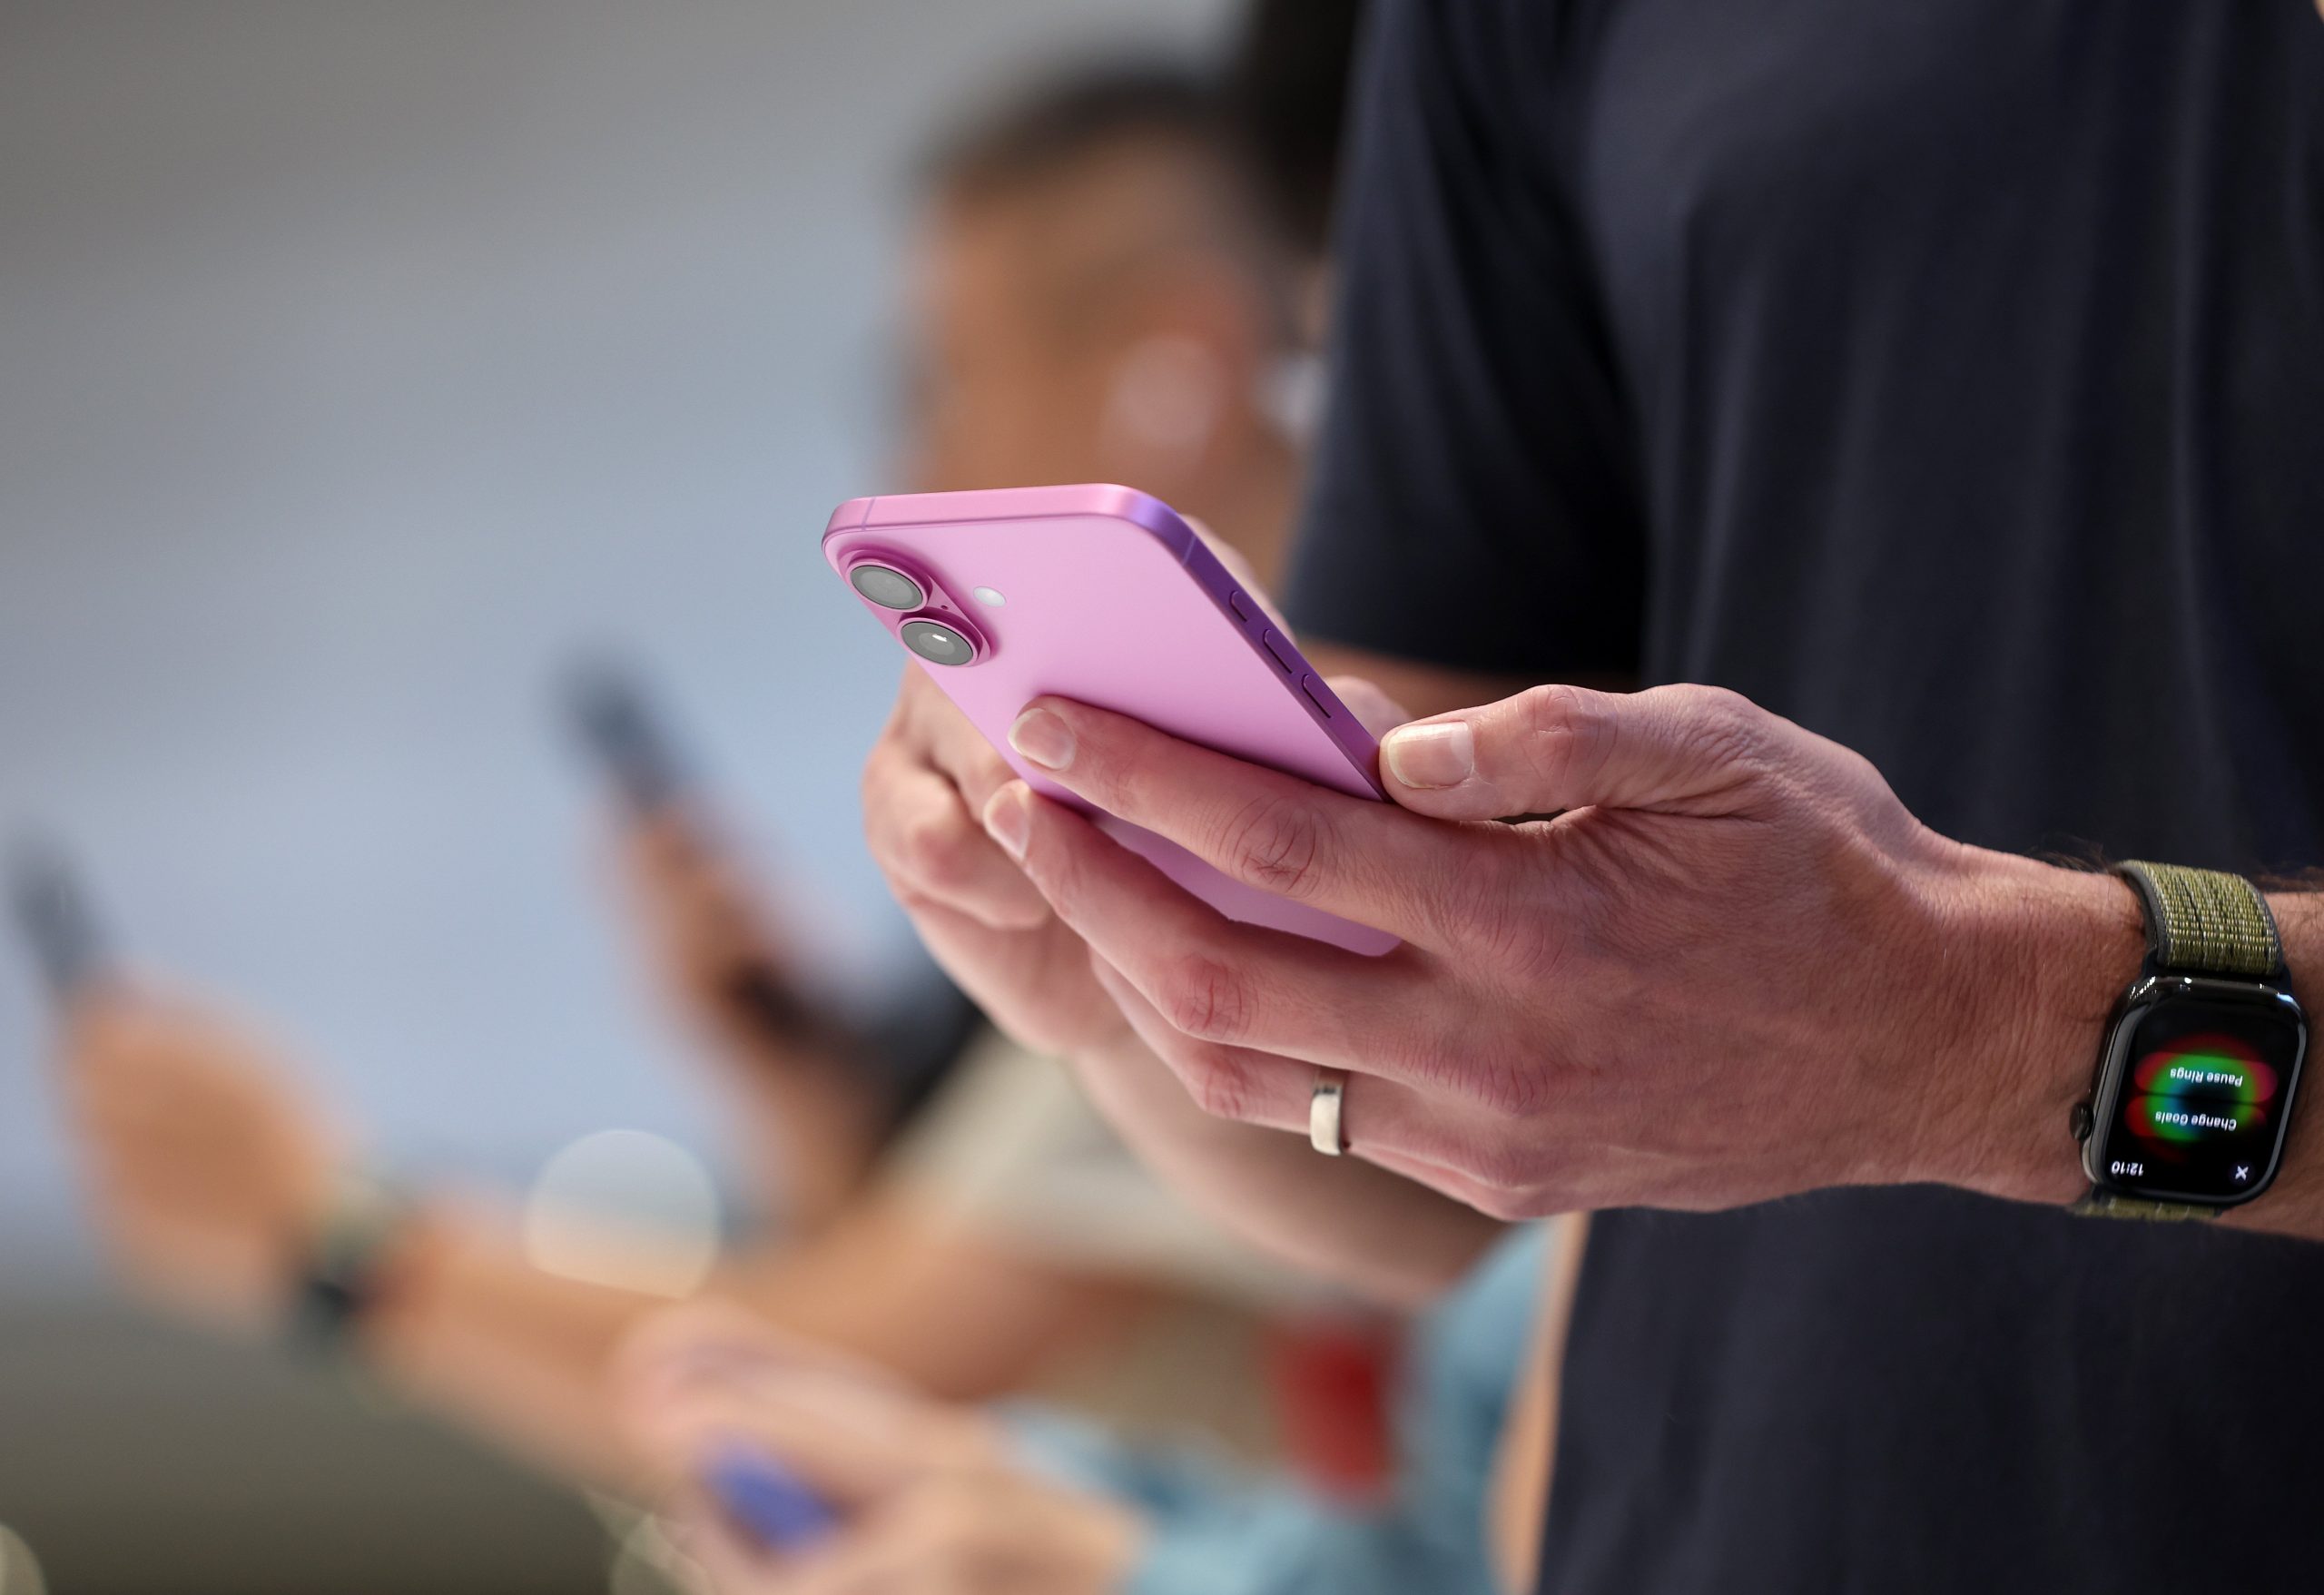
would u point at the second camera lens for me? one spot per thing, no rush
(937, 643)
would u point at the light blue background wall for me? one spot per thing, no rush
(357, 361)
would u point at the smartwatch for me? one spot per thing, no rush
(2201, 1060)
(340, 1274)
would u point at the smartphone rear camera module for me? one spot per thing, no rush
(887, 588)
(937, 643)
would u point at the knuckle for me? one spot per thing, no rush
(1567, 733)
(1722, 725)
(1713, 703)
(1217, 1082)
(1275, 842)
(1551, 709)
(1206, 998)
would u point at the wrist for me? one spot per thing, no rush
(2052, 952)
(2300, 922)
(369, 1245)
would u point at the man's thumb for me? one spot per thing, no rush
(1673, 749)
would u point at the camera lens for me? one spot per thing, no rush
(890, 589)
(937, 643)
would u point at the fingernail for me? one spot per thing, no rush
(1043, 737)
(1009, 818)
(1427, 756)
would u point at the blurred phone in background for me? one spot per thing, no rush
(766, 1501)
(53, 916)
(620, 730)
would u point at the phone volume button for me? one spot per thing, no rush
(1317, 694)
(1284, 654)
(1239, 602)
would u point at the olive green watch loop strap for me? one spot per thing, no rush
(2107, 1205)
(2205, 923)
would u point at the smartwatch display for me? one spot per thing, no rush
(2196, 1079)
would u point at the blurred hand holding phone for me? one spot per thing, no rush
(206, 1168)
(804, 1470)
(716, 936)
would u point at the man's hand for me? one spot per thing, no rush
(926, 1494)
(210, 1175)
(928, 779)
(1732, 966)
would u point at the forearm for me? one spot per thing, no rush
(958, 1314)
(467, 1326)
(1341, 1219)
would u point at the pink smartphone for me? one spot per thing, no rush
(1104, 596)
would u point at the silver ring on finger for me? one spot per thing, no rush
(1326, 1108)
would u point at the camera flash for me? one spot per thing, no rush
(992, 597)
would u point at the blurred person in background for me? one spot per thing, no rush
(1110, 284)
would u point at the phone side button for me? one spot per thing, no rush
(1318, 695)
(1284, 654)
(1239, 602)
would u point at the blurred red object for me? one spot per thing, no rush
(1334, 1379)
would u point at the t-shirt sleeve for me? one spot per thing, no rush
(1474, 501)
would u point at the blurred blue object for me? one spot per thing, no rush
(766, 1498)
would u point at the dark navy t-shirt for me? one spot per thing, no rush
(1950, 378)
